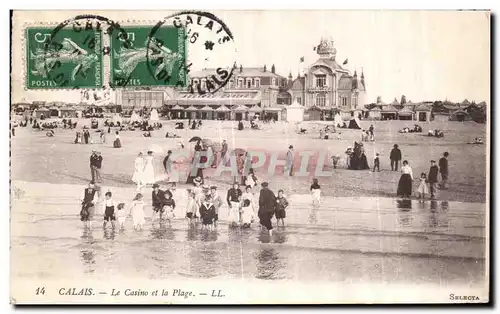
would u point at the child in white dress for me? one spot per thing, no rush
(191, 206)
(423, 188)
(121, 215)
(137, 212)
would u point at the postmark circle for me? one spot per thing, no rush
(72, 54)
(191, 44)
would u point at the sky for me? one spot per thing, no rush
(425, 55)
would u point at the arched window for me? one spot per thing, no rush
(240, 83)
(320, 80)
(257, 82)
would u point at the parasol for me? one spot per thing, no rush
(194, 139)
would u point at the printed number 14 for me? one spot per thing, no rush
(40, 290)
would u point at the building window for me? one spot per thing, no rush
(321, 100)
(282, 83)
(231, 83)
(257, 82)
(274, 81)
(299, 100)
(320, 80)
(344, 101)
(203, 84)
(240, 83)
(249, 83)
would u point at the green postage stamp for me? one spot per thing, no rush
(74, 57)
(140, 60)
(65, 58)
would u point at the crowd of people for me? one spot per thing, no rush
(202, 207)
(428, 182)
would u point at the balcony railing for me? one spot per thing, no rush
(314, 89)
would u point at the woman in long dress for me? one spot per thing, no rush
(406, 180)
(149, 173)
(138, 175)
(137, 212)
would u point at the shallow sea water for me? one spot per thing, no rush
(344, 240)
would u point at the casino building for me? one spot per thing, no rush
(324, 88)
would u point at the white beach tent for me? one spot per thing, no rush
(295, 112)
(135, 117)
(154, 115)
(338, 120)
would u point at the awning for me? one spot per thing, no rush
(316, 108)
(222, 98)
(255, 109)
(273, 109)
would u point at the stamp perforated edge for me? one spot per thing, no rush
(106, 64)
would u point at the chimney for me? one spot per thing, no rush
(273, 69)
(265, 68)
(241, 68)
(362, 77)
(355, 73)
(290, 76)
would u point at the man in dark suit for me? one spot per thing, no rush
(395, 157)
(92, 164)
(433, 178)
(267, 206)
(97, 166)
(443, 169)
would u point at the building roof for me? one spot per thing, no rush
(423, 107)
(330, 63)
(405, 110)
(295, 105)
(206, 108)
(255, 109)
(191, 108)
(375, 109)
(226, 98)
(240, 108)
(465, 102)
(177, 107)
(451, 107)
(460, 111)
(223, 109)
(395, 102)
(389, 108)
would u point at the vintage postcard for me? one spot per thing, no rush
(250, 157)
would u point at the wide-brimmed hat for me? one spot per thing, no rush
(156, 185)
(265, 184)
(197, 180)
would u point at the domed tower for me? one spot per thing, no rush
(326, 49)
